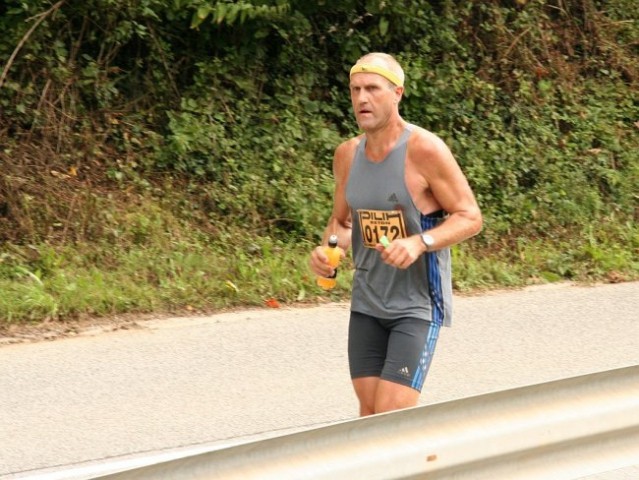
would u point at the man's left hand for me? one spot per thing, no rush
(403, 252)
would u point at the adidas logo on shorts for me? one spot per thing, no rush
(404, 372)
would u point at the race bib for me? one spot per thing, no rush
(374, 224)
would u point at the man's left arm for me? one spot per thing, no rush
(450, 189)
(445, 182)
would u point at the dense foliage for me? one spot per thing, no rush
(124, 120)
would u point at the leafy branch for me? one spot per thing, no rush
(39, 19)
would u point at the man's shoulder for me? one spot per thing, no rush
(422, 135)
(352, 142)
(347, 148)
(425, 142)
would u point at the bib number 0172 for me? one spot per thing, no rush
(374, 224)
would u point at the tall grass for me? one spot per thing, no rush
(183, 270)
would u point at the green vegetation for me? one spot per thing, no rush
(168, 156)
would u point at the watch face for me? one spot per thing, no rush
(428, 240)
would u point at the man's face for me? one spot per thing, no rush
(374, 99)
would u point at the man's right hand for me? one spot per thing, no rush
(319, 262)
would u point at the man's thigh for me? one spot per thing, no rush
(411, 346)
(367, 346)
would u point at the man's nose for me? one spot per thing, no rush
(361, 98)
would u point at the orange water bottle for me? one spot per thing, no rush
(334, 255)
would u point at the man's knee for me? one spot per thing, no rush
(393, 396)
(366, 390)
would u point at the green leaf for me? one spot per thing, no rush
(232, 15)
(383, 26)
(200, 15)
(220, 13)
(203, 12)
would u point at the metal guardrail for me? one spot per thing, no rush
(565, 429)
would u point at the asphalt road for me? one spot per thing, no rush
(71, 404)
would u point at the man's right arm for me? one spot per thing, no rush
(340, 222)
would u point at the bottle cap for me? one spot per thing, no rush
(332, 241)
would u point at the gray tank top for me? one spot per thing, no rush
(381, 205)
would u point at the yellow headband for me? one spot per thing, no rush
(368, 68)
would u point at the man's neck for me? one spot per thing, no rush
(380, 142)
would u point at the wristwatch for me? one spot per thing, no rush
(428, 241)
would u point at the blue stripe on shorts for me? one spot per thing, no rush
(426, 357)
(434, 275)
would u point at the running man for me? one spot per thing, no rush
(399, 181)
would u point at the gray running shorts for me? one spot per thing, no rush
(398, 350)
